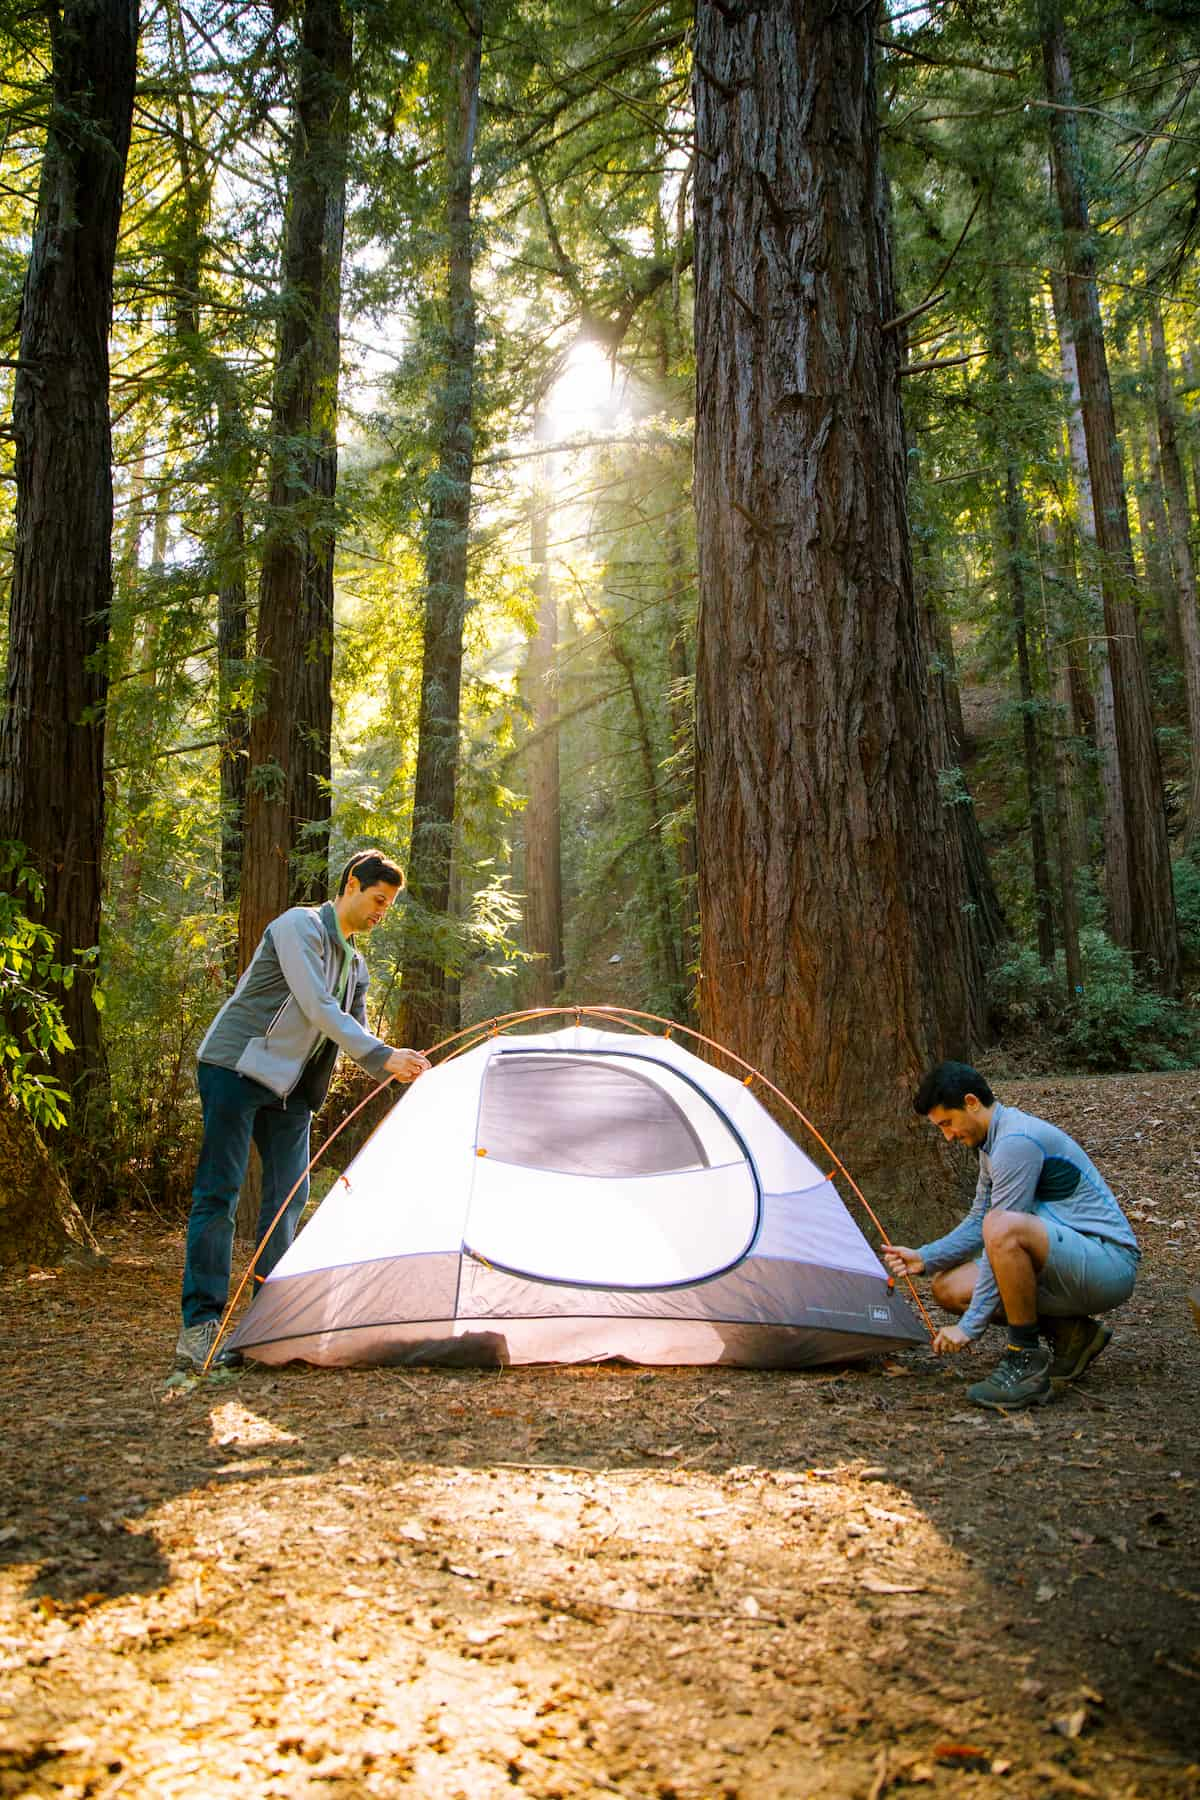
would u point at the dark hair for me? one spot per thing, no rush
(948, 1085)
(369, 867)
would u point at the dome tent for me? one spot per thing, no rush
(578, 1195)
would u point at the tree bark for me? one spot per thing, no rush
(423, 991)
(39, 1221)
(1012, 531)
(542, 821)
(833, 941)
(52, 734)
(286, 843)
(1152, 934)
(1179, 522)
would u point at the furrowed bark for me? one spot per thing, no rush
(423, 992)
(52, 733)
(1152, 934)
(287, 803)
(833, 941)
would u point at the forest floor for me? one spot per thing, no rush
(693, 1583)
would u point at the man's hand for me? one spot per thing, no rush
(406, 1065)
(898, 1259)
(949, 1339)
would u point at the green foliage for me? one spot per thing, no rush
(1117, 1023)
(31, 1021)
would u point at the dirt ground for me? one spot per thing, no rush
(562, 1583)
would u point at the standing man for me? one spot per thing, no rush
(1045, 1240)
(264, 1068)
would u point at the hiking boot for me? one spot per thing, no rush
(1077, 1342)
(1021, 1378)
(195, 1342)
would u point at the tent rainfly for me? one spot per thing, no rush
(577, 1196)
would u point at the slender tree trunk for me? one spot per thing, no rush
(424, 979)
(228, 546)
(287, 804)
(833, 945)
(1175, 493)
(233, 639)
(1152, 934)
(52, 734)
(1095, 709)
(542, 818)
(1065, 825)
(679, 592)
(667, 957)
(1013, 526)
(1013, 532)
(1157, 558)
(987, 925)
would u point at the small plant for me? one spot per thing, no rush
(1116, 1022)
(31, 1021)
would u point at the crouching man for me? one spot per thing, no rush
(1045, 1243)
(264, 1069)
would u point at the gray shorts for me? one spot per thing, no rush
(1083, 1274)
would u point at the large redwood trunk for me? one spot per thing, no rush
(425, 988)
(1151, 929)
(52, 734)
(833, 944)
(287, 801)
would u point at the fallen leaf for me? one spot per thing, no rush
(1072, 1724)
(962, 1756)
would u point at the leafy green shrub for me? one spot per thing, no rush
(31, 1021)
(1117, 1022)
(1186, 872)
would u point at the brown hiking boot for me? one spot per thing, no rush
(1076, 1344)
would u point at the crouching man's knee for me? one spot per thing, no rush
(952, 1288)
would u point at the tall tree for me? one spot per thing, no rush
(1012, 533)
(833, 944)
(52, 735)
(542, 819)
(1179, 525)
(287, 802)
(445, 603)
(1152, 933)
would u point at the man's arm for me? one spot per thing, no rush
(965, 1242)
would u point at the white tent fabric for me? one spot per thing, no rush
(575, 1195)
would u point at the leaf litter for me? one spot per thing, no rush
(677, 1585)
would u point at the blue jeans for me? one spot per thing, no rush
(237, 1109)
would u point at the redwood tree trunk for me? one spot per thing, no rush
(287, 803)
(1096, 710)
(1179, 522)
(52, 734)
(1152, 933)
(423, 992)
(833, 944)
(543, 814)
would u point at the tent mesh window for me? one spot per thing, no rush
(584, 1115)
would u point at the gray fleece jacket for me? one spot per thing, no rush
(283, 1020)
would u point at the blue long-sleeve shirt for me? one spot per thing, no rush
(1027, 1165)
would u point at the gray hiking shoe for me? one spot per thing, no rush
(195, 1342)
(1021, 1378)
(1077, 1342)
